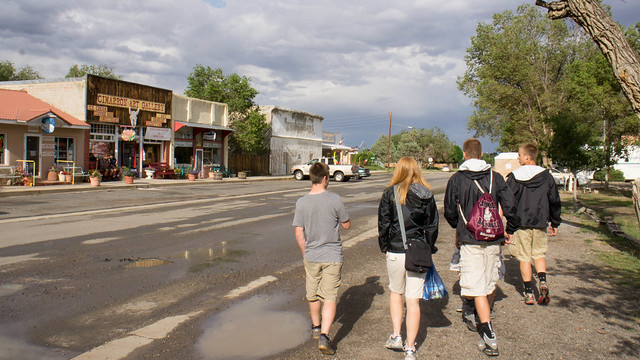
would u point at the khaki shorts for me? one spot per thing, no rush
(323, 280)
(479, 266)
(401, 281)
(529, 243)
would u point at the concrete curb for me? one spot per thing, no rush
(138, 184)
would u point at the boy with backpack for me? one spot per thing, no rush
(538, 203)
(471, 207)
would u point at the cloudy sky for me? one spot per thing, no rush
(352, 62)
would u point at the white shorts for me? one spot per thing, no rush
(479, 266)
(401, 281)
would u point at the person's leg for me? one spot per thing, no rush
(412, 322)
(540, 264)
(314, 310)
(525, 270)
(483, 309)
(396, 308)
(328, 315)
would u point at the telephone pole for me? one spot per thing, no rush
(389, 147)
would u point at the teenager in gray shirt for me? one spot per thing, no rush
(318, 217)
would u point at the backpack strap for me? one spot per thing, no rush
(400, 216)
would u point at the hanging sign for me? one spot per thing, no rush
(128, 135)
(48, 124)
(153, 133)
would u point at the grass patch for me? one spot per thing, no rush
(625, 265)
(619, 207)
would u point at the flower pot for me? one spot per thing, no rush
(27, 181)
(242, 175)
(216, 175)
(192, 177)
(68, 178)
(128, 179)
(149, 173)
(52, 176)
(95, 181)
(61, 177)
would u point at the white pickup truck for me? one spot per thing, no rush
(338, 172)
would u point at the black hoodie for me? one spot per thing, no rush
(462, 190)
(536, 197)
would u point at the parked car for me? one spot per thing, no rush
(446, 168)
(363, 172)
(559, 176)
(337, 172)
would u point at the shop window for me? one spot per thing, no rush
(183, 155)
(185, 133)
(3, 141)
(212, 157)
(64, 149)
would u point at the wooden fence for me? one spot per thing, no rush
(255, 164)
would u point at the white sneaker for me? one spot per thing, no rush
(410, 354)
(394, 342)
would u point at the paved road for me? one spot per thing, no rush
(118, 270)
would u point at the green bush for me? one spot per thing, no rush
(614, 175)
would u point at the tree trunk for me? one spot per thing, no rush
(624, 61)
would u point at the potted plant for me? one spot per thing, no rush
(62, 175)
(129, 174)
(149, 171)
(242, 174)
(27, 177)
(95, 177)
(52, 175)
(192, 174)
(216, 175)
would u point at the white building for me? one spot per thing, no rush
(296, 137)
(630, 164)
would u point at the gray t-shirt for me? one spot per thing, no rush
(321, 215)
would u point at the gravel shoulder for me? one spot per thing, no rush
(592, 314)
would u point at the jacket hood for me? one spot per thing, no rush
(535, 180)
(475, 165)
(421, 191)
(527, 172)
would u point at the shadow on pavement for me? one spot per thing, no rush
(354, 303)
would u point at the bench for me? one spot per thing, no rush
(162, 169)
(77, 172)
(8, 175)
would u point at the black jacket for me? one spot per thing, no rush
(461, 189)
(420, 219)
(537, 200)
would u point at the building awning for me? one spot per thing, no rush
(337, 147)
(178, 124)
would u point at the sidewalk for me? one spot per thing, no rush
(593, 312)
(138, 183)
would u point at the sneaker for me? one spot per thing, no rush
(394, 343)
(529, 299)
(488, 345)
(324, 344)
(410, 354)
(315, 332)
(544, 293)
(470, 321)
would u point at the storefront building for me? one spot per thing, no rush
(129, 121)
(332, 146)
(200, 133)
(37, 136)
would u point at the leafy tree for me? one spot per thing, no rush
(619, 51)
(515, 67)
(421, 144)
(9, 73)
(251, 127)
(381, 149)
(99, 70)
(458, 156)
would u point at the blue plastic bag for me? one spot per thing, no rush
(434, 288)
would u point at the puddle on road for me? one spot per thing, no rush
(17, 349)
(10, 289)
(144, 263)
(253, 329)
(205, 258)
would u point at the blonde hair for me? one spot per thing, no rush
(407, 172)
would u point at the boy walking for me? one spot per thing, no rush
(479, 258)
(318, 217)
(538, 203)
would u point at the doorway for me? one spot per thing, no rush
(32, 152)
(129, 154)
(199, 158)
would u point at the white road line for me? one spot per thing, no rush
(18, 259)
(250, 286)
(99, 241)
(120, 348)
